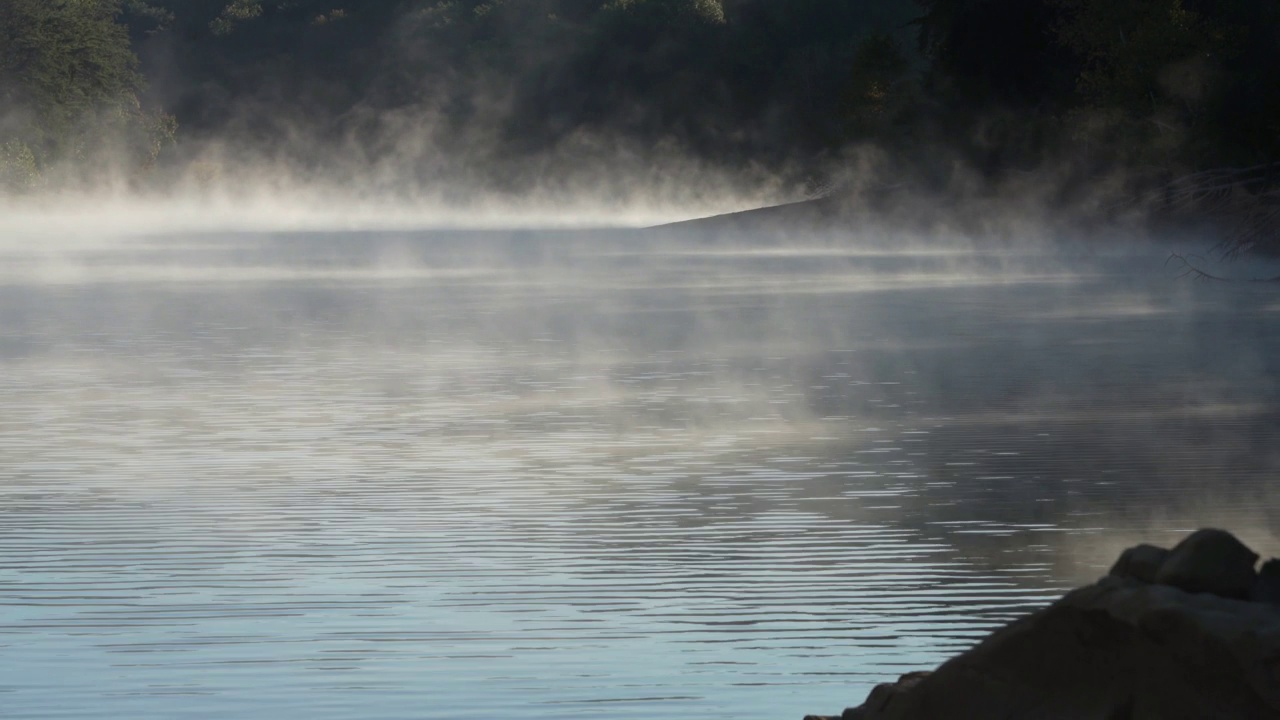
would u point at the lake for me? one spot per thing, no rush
(555, 474)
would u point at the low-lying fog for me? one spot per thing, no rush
(568, 473)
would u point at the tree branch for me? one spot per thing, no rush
(1195, 272)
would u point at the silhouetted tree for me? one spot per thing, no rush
(998, 51)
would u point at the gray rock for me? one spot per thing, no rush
(1266, 589)
(1210, 561)
(1140, 562)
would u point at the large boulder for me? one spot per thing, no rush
(1266, 588)
(1140, 562)
(1124, 648)
(1120, 649)
(883, 695)
(1210, 561)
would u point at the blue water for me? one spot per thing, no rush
(586, 474)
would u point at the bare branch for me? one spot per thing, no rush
(1191, 270)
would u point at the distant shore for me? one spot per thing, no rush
(984, 219)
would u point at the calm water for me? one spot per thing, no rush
(558, 475)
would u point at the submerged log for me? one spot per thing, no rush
(1129, 647)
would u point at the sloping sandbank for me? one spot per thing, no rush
(801, 215)
(991, 219)
(1191, 633)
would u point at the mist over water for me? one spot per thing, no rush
(576, 472)
(338, 381)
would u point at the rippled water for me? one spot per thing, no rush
(557, 475)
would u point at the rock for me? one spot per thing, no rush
(1140, 562)
(1210, 561)
(1266, 589)
(883, 695)
(1123, 648)
(1118, 649)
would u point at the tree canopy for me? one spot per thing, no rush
(1156, 86)
(70, 87)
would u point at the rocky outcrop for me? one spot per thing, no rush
(1188, 633)
(1141, 562)
(1210, 561)
(1267, 587)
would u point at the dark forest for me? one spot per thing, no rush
(1181, 96)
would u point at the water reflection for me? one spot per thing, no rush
(555, 475)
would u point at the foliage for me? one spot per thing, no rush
(723, 78)
(638, 14)
(1169, 84)
(1163, 86)
(18, 169)
(70, 88)
(237, 11)
(996, 51)
(876, 95)
(1195, 67)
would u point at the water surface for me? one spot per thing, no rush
(588, 474)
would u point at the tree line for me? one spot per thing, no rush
(1161, 87)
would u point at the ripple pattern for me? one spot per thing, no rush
(558, 476)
